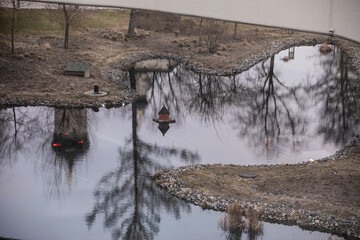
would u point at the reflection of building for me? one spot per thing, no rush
(142, 84)
(164, 120)
(139, 77)
(70, 139)
(291, 53)
(155, 65)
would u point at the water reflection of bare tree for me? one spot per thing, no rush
(338, 92)
(210, 95)
(170, 97)
(202, 96)
(19, 127)
(268, 117)
(128, 197)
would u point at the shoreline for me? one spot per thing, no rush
(282, 212)
(128, 95)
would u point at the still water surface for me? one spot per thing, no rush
(81, 174)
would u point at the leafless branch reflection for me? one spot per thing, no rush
(128, 197)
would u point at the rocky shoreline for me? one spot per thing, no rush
(351, 49)
(283, 213)
(119, 70)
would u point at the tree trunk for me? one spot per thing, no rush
(66, 40)
(200, 32)
(131, 29)
(235, 30)
(12, 28)
(67, 25)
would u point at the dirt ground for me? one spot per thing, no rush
(35, 71)
(331, 188)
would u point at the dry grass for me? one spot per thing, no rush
(328, 187)
(253, 223)
(238, 221)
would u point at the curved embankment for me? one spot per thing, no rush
(118, 73)
(351, 49)
(306, 194)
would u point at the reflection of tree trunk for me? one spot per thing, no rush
(343, 91)
(266, 98)
(132, 78)
(136, 158)
(15, 126)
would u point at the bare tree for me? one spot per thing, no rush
(4, 21)
(235, 30)
(215, 32)
(69, 17)
(13, 26)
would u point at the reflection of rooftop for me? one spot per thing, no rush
(163, 127)
(164, 120)
(155, 65)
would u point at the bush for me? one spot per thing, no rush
(214, 32)
(237, 220)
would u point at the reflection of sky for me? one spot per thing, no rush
(27, 210)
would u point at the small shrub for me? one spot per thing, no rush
(46, 46)
(237, 220)
(20, 56)
(120, 35)
(188, 27)
(106, 36)
(236, 213)
(158, 174)
(214, 31)
(325, 48)
(253, 223)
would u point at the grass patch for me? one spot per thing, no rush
(114, 19)
(37, 21)
(28, 21)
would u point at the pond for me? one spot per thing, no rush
(84, 174)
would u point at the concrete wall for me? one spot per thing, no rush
(308, 15)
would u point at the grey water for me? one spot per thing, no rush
(84, 174)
